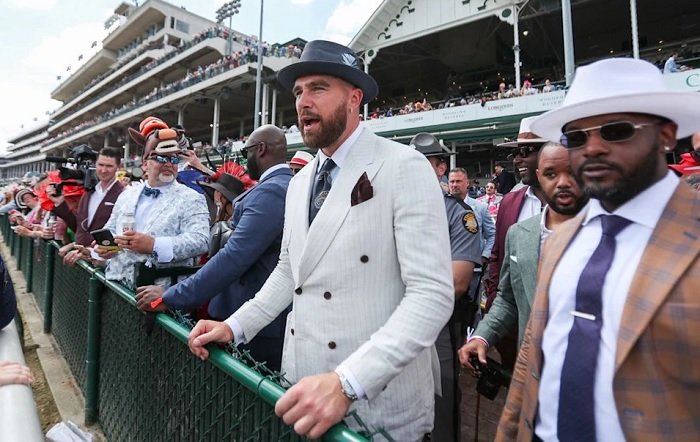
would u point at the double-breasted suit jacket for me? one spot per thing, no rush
(656, 383)
(371, 284)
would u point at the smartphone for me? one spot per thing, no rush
(104, 239)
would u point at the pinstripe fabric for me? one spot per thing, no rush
(657, 379)
(371, 284)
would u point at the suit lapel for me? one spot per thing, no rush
(320, 234)
(163, 203)
(673, 246)
(528, 254)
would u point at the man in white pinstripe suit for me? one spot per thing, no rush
(369, 276)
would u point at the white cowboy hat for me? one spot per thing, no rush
(525, 135)
(621, 85)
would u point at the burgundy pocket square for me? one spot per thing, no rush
(362, 191)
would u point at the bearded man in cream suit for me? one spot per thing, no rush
(365, 261)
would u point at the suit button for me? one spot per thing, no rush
(298, 291)
(331, 345)
(291, 331)
(364, 258)
(327, 295)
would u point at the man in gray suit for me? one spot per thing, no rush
(365, 262)
(516, 287)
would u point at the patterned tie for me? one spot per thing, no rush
(576, 420)
(322, 186)
(153, 193)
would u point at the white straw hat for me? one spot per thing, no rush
(621, 85)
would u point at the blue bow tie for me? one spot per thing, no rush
(154, 193)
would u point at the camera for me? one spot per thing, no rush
(83, 174)
(492, 376)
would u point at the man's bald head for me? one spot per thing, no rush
(265, 147)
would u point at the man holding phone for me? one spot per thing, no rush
(170, 221)
(95, 207)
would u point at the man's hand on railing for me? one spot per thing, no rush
(14, 373)
(313, 405)
(23, 231)
(138, 242)
(77, 253)
(149, 298)
(47, 232)
(205, 332)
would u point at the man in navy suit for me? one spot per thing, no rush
(238, 271)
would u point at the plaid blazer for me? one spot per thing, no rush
(657, 365)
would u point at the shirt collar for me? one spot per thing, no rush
(272, 169)
(111, 184)
(342, 152)
(543, 220)
(529, 193)
(645, 208)
(165, 188)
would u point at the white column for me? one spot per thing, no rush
(453, 158)
(265, 102)
(242, 128)
(635, 30)
(273, 111)
(568, 30)
(516, 45)
(366, 107)
(215, 124)
(127, 146)
(181, 116)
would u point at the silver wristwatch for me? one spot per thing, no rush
(346, 387)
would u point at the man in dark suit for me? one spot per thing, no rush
(238, 271)
(95, 207)
(504, 180)
(516, 206)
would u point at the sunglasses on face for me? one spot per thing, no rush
(245, 149)
(163, 159)
(615, 132)
(523, 151)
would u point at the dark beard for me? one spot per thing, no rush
(631, 184)
(573, 210)
(330, 130)
(253, 169)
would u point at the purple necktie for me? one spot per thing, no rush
(322, 186)
(576, 420)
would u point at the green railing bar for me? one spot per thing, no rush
(48, 285)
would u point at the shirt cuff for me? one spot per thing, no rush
(163, 248)
(359, 391)
(238, 335)
(481, 339)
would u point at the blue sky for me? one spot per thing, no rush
(42, 37)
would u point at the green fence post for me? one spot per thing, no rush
(28, 264)
(48, 286)
(12, 243)
(93, 353)
(20, 252)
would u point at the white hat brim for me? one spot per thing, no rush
(683, 108)
(522, 141)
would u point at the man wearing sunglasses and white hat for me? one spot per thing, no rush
(171, 220)
(611, 349)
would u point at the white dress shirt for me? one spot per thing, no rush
(644, 211)
(96, 198)
(531, 206)
(162, 246)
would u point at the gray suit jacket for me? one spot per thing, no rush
(371, 284)
(516, 287)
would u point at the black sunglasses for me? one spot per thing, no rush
(524, 150)
(615, 132)
(244, 150)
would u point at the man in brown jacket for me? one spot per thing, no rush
(611, 349)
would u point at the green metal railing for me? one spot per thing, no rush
(148, 387)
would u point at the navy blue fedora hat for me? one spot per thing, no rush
(328, 58)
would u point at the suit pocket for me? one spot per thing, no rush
(676, 338)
